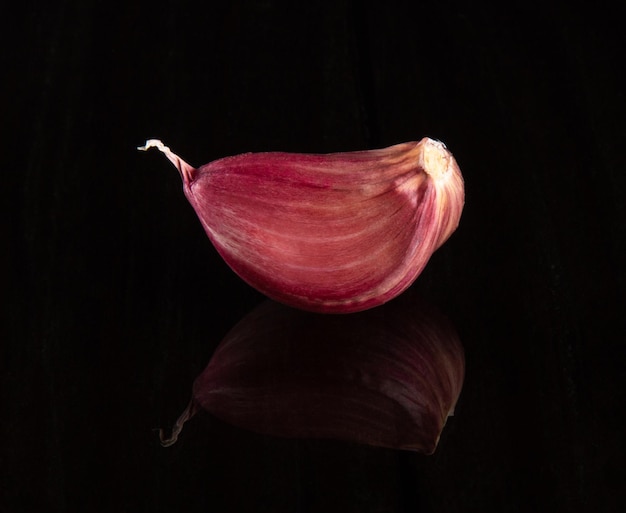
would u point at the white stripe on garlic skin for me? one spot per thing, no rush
(333, 233)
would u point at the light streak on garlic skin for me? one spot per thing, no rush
(386, 377)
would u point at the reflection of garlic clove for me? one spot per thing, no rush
(331, 233)
(387, 377)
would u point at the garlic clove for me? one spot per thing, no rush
(334, 233)
(388, 377)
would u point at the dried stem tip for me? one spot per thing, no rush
(185, 170)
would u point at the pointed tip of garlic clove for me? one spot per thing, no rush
(186, 170)
(189, 412)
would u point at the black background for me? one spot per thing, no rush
(114, 299)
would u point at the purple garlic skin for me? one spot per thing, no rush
(388, 377)
(332, 233)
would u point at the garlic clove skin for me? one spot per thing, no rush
(333, 233)
(388, 377)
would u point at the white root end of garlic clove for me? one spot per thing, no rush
(184, 169)
(436, 158)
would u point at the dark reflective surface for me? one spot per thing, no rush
(114, 300)
(385, 377)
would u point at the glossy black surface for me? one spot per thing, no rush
(114, 299)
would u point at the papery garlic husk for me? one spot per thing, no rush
(388, 377)
(333, 233)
